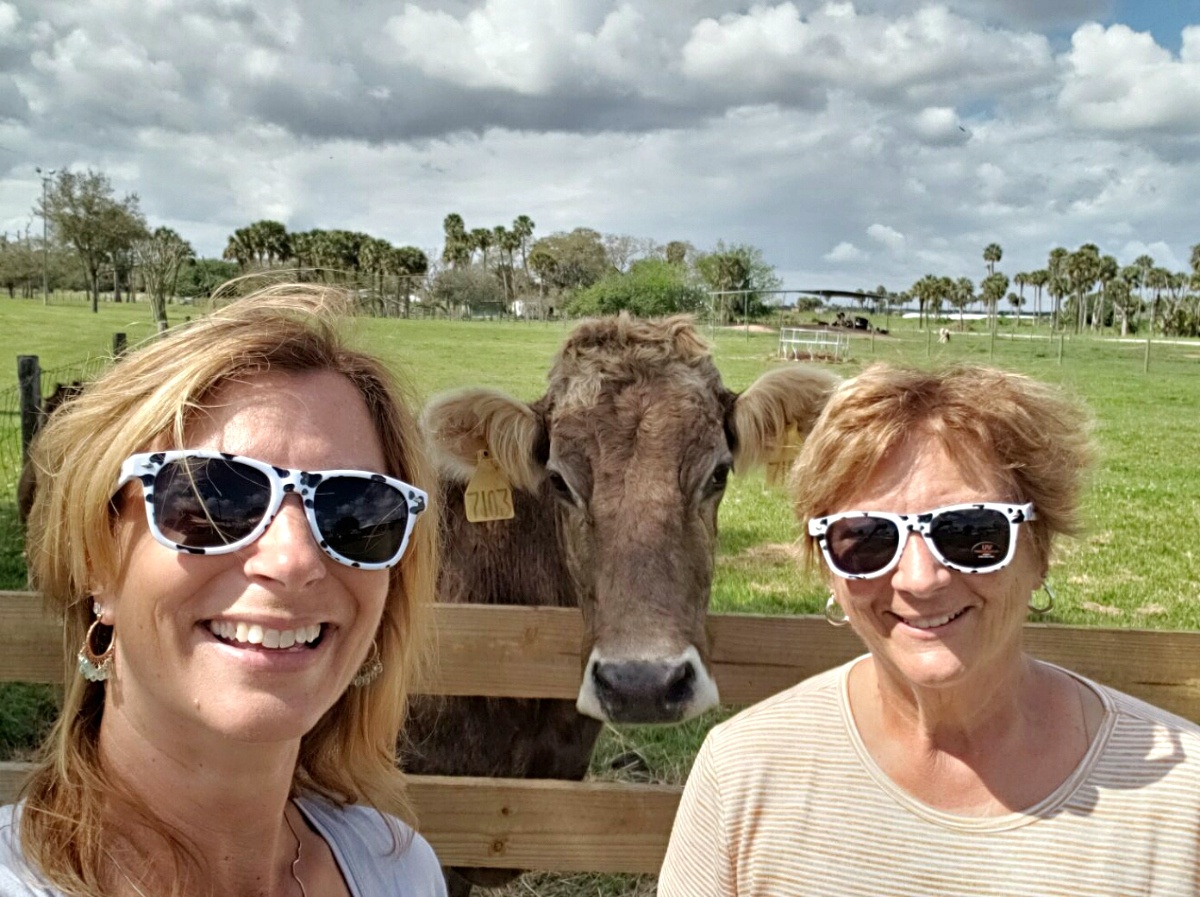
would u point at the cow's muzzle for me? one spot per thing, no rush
(666, 690)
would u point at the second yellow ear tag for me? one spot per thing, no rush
(488, 496)
(779, 464)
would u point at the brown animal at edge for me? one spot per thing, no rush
(27, 483)
(617, 474)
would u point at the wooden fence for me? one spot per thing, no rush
(534, 652)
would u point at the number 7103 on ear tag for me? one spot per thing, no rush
(488, 495)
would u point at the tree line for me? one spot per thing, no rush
(1087, 291)
(96, 240)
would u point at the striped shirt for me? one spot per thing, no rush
(785, 800)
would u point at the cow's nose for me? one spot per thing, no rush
(644, 691)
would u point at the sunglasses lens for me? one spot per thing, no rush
(209, 502)
(975, 538)
(862, 545)
(361, 519)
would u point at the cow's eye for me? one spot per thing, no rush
(560, 487)
(719, 479)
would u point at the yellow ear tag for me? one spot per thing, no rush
(488, 496)
(779, 463)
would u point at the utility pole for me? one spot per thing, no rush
(46, 177)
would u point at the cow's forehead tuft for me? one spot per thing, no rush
(609, 356)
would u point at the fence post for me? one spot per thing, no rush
(118, 345)
(29, 379)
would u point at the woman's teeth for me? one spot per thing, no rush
(932, 622)
(253, 634)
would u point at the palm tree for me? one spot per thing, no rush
(1057, 283)
(373, 256)
(507, 243)
(1082, 270)
(1158, 280)
(962, 296)
(991, 291)
(407, 263)
(523, 227)
(883, 304)
(483, 239)
(992, 253)
(944, 293)
(1120, 290)
(1106, 273)
(1016, 301)
(457, 250)
(270, 241)
(239, 249)
(923, 290)
(1021, 279)
(1038, 280)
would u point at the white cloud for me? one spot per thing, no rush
(940, 125)
(828, 134)
(526, 46)
(887, 236)
(1163, 255)
(1120, 80)
(844, 252)
(928, 54)
(9, 18)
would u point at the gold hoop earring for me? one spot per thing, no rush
(93, 666)
(370, 669)
(835, 614)
(1040, 610)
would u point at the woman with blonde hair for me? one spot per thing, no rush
(946, 760)
(227, 521)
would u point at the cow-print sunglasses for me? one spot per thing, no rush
(205, 502)
(978, 537)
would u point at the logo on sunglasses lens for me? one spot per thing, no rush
(985, 551)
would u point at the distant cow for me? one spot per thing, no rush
(617, 474)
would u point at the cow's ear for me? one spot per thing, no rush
(785, 397)
(460, 424)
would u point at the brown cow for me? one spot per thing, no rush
(617, 473)
(27, 483)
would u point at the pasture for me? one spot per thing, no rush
(1137, 565)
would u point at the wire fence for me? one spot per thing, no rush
(11, 455)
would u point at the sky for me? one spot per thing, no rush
(855, 143)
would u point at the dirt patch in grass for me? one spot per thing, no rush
(753, 328)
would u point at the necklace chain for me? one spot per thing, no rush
(296, 861)
(292, 869)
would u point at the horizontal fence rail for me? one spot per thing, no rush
(562, 826)
(533, 652)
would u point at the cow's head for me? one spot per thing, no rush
(631, 447)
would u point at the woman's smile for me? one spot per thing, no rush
(931, 623)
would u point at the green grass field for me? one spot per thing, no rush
(1137, 566)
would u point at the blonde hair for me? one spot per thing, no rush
(148, 399)
(1027, 434)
